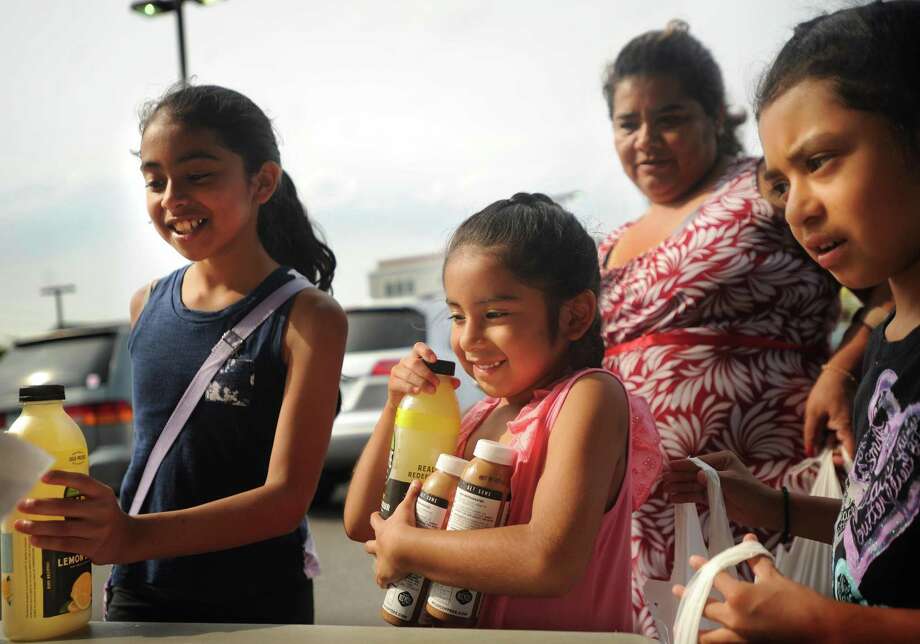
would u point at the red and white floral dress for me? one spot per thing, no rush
(722, 328)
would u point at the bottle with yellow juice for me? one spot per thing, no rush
(45, 593)
(427, 425)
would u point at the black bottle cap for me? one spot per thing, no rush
(41, 393)
(442, 367)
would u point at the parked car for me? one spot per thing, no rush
(379, 335)
(92, 363)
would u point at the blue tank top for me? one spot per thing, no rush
(225, 446)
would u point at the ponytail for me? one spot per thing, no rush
(588, 350)
(289, 238)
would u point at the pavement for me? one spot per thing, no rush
(344, 594)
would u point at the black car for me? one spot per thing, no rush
(92, 363)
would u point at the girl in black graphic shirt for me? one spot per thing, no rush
(839, 118)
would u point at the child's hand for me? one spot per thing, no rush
(388, 567)
(412, 376)
(747, 500)
(95, 526)
(827, 412)
(772, 609)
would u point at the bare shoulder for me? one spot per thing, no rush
(139, 300)
(598, 389)
(316, 316)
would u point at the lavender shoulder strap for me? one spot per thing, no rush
(224, 348)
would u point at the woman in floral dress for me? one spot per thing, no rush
(712, 312)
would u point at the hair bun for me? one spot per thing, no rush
(530, 198)
(675, 26)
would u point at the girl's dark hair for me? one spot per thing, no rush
(674, 52)
(546, 247)
(869, 53)
(284, 228)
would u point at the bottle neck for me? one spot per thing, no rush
(42, 406)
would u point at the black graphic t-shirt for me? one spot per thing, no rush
(877, 536)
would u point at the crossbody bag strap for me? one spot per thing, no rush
(225, 347)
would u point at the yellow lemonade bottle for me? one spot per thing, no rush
(427, 425)
(45, 593)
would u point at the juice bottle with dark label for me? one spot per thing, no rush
(427, 425)
(482, 501)
(45, 593)
(403, 603)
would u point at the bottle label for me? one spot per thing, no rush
(38, 583)
(67, 583)
(458, 602)
(6, 570)
(430, 511)
(402, 597)
(474, 507)
(413, 454)
(393, 494)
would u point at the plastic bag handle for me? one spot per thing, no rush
(690, 609)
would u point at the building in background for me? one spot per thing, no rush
(413, 276)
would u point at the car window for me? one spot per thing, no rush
(380, 329)
(72, 362)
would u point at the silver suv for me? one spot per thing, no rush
(93, 365)
(379, 334)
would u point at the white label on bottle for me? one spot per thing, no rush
(430, 511)
(474, 508)
(403, 595)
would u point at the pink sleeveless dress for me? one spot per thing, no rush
(600, 601)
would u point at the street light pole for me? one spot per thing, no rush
(183, 76)
(151, 8)
(57, 291)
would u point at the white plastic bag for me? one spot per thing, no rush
(690, 611)
(688, 540)
(811, 562)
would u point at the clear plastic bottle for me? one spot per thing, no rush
(404, 600)
(427, 425)
(482, 501)
(45, 593)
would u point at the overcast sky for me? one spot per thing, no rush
(397, 119)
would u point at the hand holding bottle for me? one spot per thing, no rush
(388, 535)
(412, 376)
(95, 526)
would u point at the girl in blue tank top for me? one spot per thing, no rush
(221, 534)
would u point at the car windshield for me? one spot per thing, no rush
(380, 329)
(72, 362)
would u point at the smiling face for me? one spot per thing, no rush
(199, 196)
(851, 194)
(666, 142)
(500, 331)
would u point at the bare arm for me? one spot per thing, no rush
(545, 557)
(748, 501)
(314, 346)
(829, 406)
(369, 478)
(776, 609)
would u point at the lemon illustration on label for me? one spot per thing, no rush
(82, 592)
(6, 589)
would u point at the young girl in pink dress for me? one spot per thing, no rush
(521, 279)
